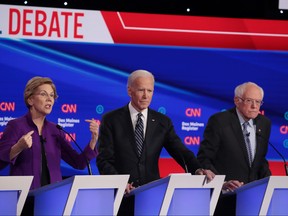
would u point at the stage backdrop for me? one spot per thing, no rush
(197, 62)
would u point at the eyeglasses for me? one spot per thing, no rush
(44, 94)
(249, 101)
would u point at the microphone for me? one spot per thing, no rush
(184, 162)
(247, 134)
(285, 164)
(88, 163)
(178, 153)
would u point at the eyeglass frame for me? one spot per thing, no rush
(250, 101)
(43, 93)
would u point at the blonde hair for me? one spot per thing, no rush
(33, 84)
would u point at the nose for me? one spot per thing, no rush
(50, 97)
(254, 104)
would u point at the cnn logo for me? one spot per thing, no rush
(69, 108)
(191, 140)
(7, 106)
(193, 112)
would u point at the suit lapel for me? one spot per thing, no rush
(258, 139)
(239, 135)
(151, 126)
(130, 130)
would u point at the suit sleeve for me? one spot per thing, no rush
(176, 148)
(105, 160)
(10, 137)
(209, 145)
(265, 170)
(71, 156)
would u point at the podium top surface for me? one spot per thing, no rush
(85, 182)
(275, 181)
(181, 180)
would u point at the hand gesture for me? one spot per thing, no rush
(94, 129)
(25, 141)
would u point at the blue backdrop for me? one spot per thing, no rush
(191, 84)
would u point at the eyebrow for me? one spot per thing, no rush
(46, 91)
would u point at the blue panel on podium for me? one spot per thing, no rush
(13, 193)
(245, 196)
(87, 202)
(56, 197)
(93, 202)
(278, 204)
(178, 194)
(9, 206)
(148, 202)
(188, 201)
(81, 195)
(267, 196)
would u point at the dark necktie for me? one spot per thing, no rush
(139, 134)
(247, 142)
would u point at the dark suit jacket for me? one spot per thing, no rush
(223, 147)
(117, 147)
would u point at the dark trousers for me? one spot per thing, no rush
(226, 205)
(127, 206)
(28, 209)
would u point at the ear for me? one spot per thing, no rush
(129, 91)
(236, 101)
(30, 101)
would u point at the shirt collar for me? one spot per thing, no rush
(241, 119)
(134, 112)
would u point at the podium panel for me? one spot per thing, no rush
(267, 196)
(13, 193)
(8, 205)
(81, 195)
(178, 194)
(190, 202)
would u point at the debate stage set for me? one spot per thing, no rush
(176, 194)
(197, 61)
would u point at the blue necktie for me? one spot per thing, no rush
(139, 134)
(247, 142)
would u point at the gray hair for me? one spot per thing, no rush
(240, 89)
(138, 73)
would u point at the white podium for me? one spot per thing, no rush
(178, 194)
(81, 195)
(13, 193)
(267, 196)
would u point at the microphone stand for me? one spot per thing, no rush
(285, 164)
(88, 164)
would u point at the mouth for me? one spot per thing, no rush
(48, 106)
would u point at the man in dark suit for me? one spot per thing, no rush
(232, 149)
(118, 151)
